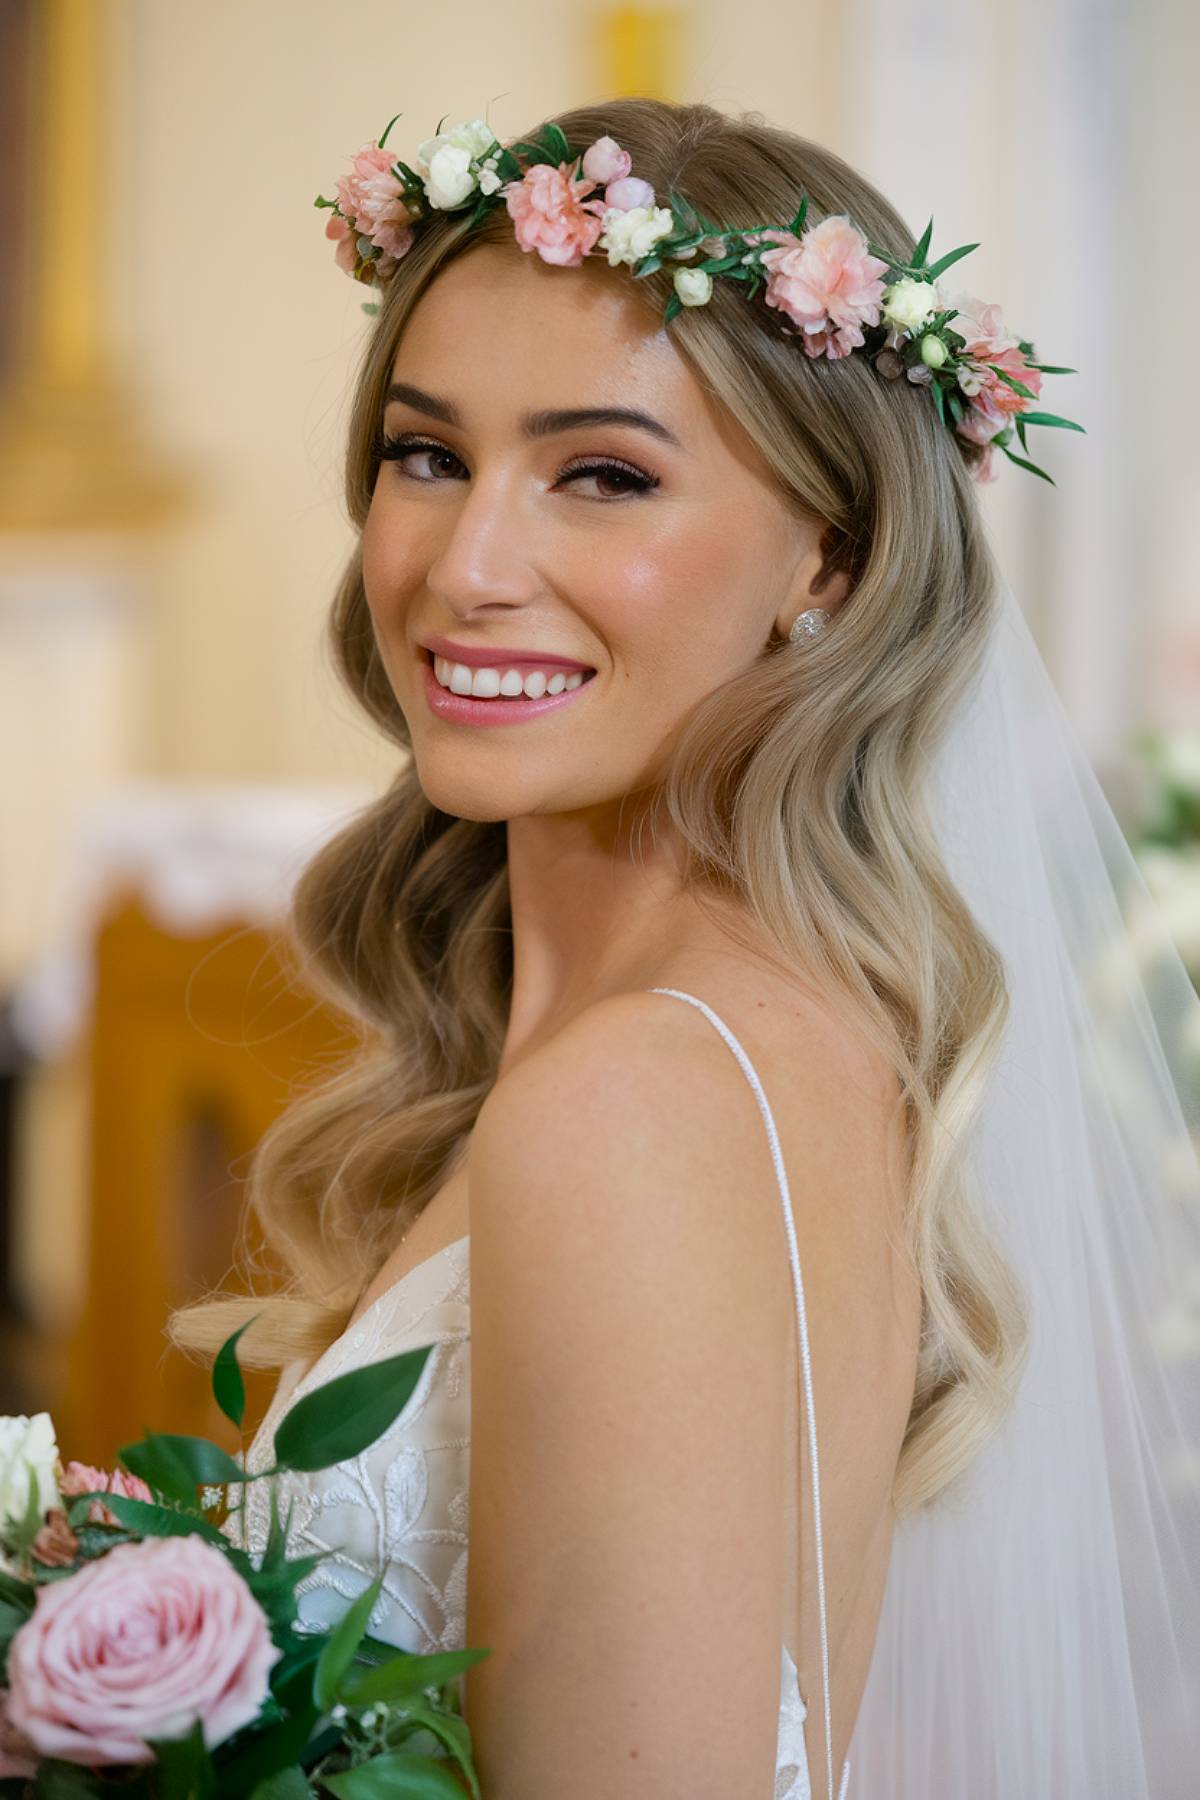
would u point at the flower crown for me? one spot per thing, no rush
(839, 291)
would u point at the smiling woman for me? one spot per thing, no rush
(742, 1303)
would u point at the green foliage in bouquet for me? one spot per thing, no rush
(345, 1713)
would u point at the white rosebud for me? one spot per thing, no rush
(933, 351)
(970, 379)
(451, 179)
(28, 1460)
(694, 286)
(489, 181)
(629, 235)
(909, 304)
(475, 137)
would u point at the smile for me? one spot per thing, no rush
(529, 694)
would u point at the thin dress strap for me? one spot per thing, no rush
(751, 1075)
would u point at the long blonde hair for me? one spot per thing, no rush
(794, 786)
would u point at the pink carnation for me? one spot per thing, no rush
(826, 281)
(986, 341)
(551, 215)
(372, 199)
(139, 1644)
(82, 1478)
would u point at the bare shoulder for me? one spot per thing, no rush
(630, 1316)
(623, 1139)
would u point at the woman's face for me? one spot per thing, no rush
(663, 570)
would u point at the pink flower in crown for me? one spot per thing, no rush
(605, 161)
(992, 402)
(342, 234)
(372, 199)
(82, 1478)
(826, 281)
(551, 214)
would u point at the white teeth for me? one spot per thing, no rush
(489, 683)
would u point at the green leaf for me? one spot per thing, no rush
(177, 1466)
(560, 149)
(396, 1775)
(347, 1414)
(1041, 418)
(943, 263)
(922, 249)
(340, 1646)
(285, 1784)
(56, 1780)
(151, 1520)
(403, 1675)
(939, 399)
(185, 1770)
(674, 305)
(1051, 368)
(1032, 467)
(1012, 381)
(266, 1753)
(229, 1390)
(647, 266)
(16, 1592)
(450, 1731)
(381, 141)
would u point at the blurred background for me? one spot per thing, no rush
(176, 353)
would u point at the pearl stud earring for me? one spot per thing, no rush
(810, 623)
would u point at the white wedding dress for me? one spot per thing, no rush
(401, 1506)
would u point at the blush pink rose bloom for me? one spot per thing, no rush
(371, 198)
(139, 1644)
(552, 215)
(605, 161)
(82, 1478)
(827, 283)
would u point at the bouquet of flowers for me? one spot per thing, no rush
(143, 1652)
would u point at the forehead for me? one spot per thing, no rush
(503, 319)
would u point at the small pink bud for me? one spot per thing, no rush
(627, 193)
(605, 161)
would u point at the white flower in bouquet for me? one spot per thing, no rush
(28, 1461)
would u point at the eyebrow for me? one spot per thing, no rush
(536, 424)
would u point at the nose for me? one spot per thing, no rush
(483, 559)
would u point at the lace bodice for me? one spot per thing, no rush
(401, 1506)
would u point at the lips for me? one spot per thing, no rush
(486, 656)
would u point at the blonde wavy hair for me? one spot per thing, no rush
(795, 786)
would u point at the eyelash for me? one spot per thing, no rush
(394, 449)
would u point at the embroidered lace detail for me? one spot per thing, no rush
(402, 1505)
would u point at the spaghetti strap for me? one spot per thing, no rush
(751, 1075)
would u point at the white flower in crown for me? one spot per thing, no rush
(694, 286)
(630, 235)
(909, 304)
(446, 163)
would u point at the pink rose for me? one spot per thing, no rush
(628, 193)
(372, 199)
(139, 1644)
(82, 1478)
(605, 161)
(16, 1752)
(551, 215)
(827, 283)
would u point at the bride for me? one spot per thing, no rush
(688, 943)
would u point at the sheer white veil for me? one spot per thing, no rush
(1040, 1630)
